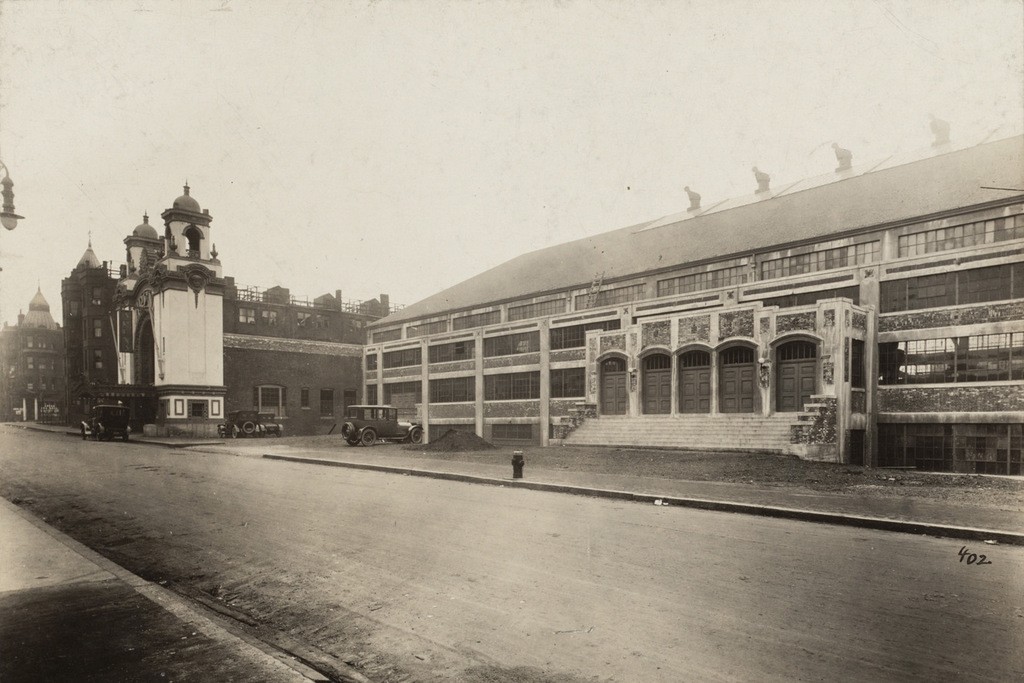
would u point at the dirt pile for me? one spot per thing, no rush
(455, 441)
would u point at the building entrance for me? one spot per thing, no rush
(614, 390)
(797, 370)
(657, 384)
(695, 382)
(737, 380)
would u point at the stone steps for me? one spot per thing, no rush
(705, 432)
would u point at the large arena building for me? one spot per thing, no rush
(873, 314)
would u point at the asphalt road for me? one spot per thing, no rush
(417, 579)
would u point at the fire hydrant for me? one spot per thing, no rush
(517, 464)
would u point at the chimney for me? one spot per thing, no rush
(337, 295)
(694, 199)
(762, 180)
(385, 304)
(844, 157)
(21, 318)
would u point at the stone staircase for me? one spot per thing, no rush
(774, 434)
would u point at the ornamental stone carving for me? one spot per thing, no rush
(829, 317)
(794, 322)
(736, 324)
(766, 327)
(694, 329)
(657, 334)
(613, 342)
(860, 321)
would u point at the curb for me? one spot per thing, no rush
(876, 523)
(141, 441)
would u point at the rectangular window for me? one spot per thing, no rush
(982, 358)
(512, 432)
(97, 359)
(857, 373)
(198, 409)
(609, 297)
(424, 329)
(525, 311)
(302, 318)
(465, 322)
(511, 344)
(30, 342)
(515, 386)
(568, 383)
(712, 279)
(959, 236)
(97, 328)
(326, 402)
(371, 394)
(73, 308)
(304, 397)
(268, 317)
(973, 286)
(575, 336)
(403, 358)
(825, 259)
(455, 351)
(453, 390)
(97, 296)
(807, 298)
(30, 386)
(969, 448)
(246, 315)
(30, 362)
(387, 335)
(403, 394)
(371, 361)
(270, 399)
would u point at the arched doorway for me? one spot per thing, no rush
(737, 379)
(695, 382)
(657, 384)
(614, 390)
(144, 353)
(797, 363)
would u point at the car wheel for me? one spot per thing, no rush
(415, 435)
(368, 437)
(352, 442)
(248, 427)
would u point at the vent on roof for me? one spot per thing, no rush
(762, 179)
(694, 199)
(844, 157)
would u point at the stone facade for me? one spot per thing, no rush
(695, 328)
(949, 317)
(951, 398)
(736, 324)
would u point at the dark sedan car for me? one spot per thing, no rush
(249, 423)
(106, 422)
(366, 424)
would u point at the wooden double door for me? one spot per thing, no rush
(797, 371)
(695, 382)
(737, 380)
(614, 387)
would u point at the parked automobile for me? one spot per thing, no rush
(249, 423)
(106, 422)
(365, 425)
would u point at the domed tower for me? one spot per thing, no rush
(39, 313)
(170, 319)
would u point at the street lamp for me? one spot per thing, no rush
(8, 218)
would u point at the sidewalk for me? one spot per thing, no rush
(68, 614)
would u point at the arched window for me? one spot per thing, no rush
(194, 237)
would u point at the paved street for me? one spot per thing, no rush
(415, 579)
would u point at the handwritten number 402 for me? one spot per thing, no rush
(972, 558)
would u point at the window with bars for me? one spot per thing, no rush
(512, 432)
(568, 383)
(403, 390)
(825, 259)
(964, 447)
(712, 279)
(575, 336)
(371, 394)
(466, 322)
(402, 358)
(454, 351)
(371, 361)
(807, 298)
(976, 285)
(512, 344)
(959, 236)
(609, 297)
(514, 386)
(536, 310)
(453, 390)
(981, 358)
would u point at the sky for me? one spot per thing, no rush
(402, 147)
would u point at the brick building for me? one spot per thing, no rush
(179, 343)
(32, 375)
(873, 314)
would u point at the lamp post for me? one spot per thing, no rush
(8, 218)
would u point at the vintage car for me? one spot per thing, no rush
(249, 423)
(366, 424)
(106, 422)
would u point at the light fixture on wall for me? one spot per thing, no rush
(8, 218)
